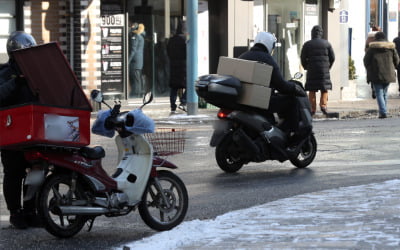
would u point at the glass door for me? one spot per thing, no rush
(8, 24)
(285, 21)
(148, 65)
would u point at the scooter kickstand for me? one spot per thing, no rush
(90, 223)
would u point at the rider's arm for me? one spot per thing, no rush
(7, 84)
(280, 84)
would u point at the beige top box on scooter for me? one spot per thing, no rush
(255, 78)
(245, 70)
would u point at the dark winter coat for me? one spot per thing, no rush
(380, 61)
(136, 51)
(317, 57)
(176, 49)
(260, 53)
(397, 43)
(13, 89)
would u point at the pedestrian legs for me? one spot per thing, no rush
(136, 82)
(323, 101)
(313, 101)
(381, 98)
(398, 76)
(173, 93)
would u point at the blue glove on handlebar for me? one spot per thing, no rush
(143, 124)
(98, 125)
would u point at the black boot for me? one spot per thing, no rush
(17, 219)
(32, 219)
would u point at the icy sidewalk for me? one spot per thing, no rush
(357, 217)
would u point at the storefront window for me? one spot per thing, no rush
(155, 22)
(7, 24)
(374, 14)
(285, 21)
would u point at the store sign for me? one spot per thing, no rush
(112, 50)
(311, 10)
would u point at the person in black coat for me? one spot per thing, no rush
(317, 58)
(176, 49)
(14, 90)
(285, 102)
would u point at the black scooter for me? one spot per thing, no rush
(246, 134)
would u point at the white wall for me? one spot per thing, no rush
(357, 21)
(392, 19)
(240, 23)
(338, 36)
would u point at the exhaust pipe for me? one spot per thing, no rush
(78, 210)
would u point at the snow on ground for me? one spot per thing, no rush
(357, 217)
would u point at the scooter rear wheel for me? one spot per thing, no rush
(165, 201)
(307, 153)
(225, 159)
(55, 192)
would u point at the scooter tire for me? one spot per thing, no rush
(54, 192)
(153, 210)
(307, 153)
(224, 157)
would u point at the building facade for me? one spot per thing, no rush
(95, 35)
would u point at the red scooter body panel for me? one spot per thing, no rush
(160, 162)
(82, 165)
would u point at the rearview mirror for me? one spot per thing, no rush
(96, 96)
(298, 75)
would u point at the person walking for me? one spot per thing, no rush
(14, 90)
(396, 41)
(371, 38)
(317, 58)
(381, 61)
(136, 59)
(176, 49)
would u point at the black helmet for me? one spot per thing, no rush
(19, 40)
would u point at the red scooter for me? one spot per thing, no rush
(72, 187)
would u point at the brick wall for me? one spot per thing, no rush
(77, 32)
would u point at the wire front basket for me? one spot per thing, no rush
(167, 141)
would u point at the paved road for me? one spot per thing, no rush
(350, 153)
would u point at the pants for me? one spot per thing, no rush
(323, 101)
(173, 94)
(286, 107)
(15, 166)
(381, 90)
(398, 76)
(136, 82)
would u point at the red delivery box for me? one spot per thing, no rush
(34, 124)
(61, 116)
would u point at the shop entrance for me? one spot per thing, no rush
(149, 26)
(284, 20)
(135, 35)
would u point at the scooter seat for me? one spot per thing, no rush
(93, 153)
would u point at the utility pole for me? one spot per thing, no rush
(191, 57)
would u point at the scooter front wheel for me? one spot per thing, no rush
(165, 201)
(56, 192)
